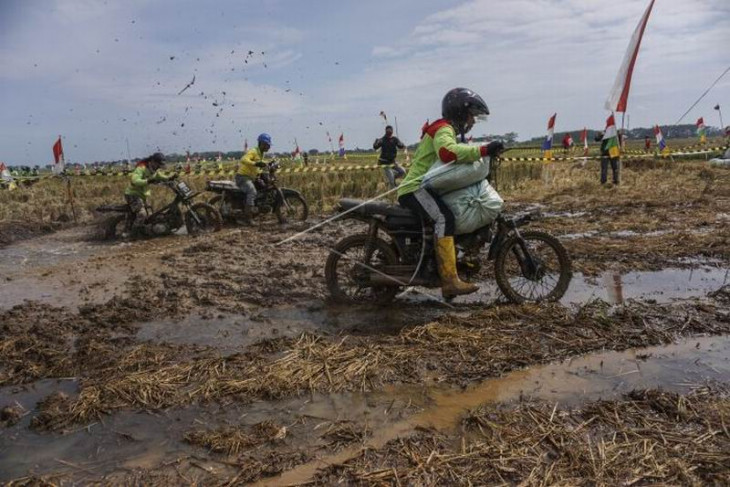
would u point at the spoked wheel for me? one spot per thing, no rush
(293, 208)
(539, 270)
(202, 218)
(347, 270)
(113, 227)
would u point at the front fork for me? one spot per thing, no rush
(529, 267)
(189, 209)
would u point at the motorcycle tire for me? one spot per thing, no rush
(506, 271)
(342, 283)
(113, 227)
(298, 210)
(209, 216)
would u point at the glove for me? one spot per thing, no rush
(261, 165)
(492, 149)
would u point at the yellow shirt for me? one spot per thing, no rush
(247, 166)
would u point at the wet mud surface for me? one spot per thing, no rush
(219, 359)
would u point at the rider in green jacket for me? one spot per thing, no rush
(136, 194)
(460, 108)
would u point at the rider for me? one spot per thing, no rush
(460, 109)
(251, 164)
(136, 194)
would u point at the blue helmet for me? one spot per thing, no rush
(265, 138)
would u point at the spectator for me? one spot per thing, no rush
(389, 145)
(606, 159)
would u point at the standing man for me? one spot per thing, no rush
(389, 145)
(606, 159)
(647, 144)
(249, 168)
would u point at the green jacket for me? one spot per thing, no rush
(139, 181)
(438, 142)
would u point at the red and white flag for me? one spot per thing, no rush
(60, 164)
(342, 145)
(584, 139)
(58, 150)
(619, 95)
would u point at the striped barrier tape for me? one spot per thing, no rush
(371, 167)
(623, 156)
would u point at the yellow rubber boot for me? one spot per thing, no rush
(451, 285)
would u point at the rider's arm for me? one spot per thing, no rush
(377, 143)
(159, 176)
(448, 150)
(250, 158)
(399, 144)
(138, 179)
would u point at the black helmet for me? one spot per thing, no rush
(459, 103)
(158, 158)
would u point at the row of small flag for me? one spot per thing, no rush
(610, 135)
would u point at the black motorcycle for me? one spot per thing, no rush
(198, 217)
(286, 204)
(529, 265)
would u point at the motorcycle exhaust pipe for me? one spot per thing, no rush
(397, 280)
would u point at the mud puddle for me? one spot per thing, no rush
(616, 287)
(678, 367)
(135, 440)
(231, 333)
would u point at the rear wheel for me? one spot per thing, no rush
(202, 218)
(293, 208)
(113, 227)
(538, 271)
(348, 269)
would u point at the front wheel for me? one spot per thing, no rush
(293, 208)
(202, 218)
(537, 270)
(348, 270)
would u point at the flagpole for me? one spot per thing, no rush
(722, 125)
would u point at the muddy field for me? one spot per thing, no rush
(219, 360)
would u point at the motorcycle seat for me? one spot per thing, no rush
(223, 186)
(112, 208)
(376, 208)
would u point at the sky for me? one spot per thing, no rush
(107, 75)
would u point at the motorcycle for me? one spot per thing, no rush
(286, 204)
(198, 217)
(529, 265)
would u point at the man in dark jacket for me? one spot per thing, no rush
(389, 145)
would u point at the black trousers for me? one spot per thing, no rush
(615, 169)
(430, 207)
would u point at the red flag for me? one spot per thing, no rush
(619, 96)
(58, 150)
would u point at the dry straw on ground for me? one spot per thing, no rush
(454, 349)
(647, 438)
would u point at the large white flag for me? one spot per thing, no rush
(618, 98)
